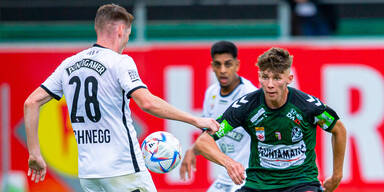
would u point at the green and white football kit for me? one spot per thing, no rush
(283, 140)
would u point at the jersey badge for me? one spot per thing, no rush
(235, 136)
(259, 113)
(295, 116)
(260, 134)
(297, 134)
(324, 120)
(278, 135)
(227, 148)
(133, 75)
(213, 102)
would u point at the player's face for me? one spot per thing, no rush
(225, 67)
(275, 85)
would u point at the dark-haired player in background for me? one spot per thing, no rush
(282, 124)
(229, 87)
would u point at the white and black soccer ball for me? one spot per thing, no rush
(161, 151)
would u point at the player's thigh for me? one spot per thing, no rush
(218, 186)
(91, 185)
(136, 182)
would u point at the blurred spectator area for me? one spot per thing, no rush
(71, 20)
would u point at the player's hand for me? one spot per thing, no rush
(331, 183)
(235, 171)
(37, 168)
(188, 165)
(208, 123)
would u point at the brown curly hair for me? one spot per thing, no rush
(275, 59)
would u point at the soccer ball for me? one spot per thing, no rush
(161, 151)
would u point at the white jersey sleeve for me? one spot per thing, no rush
(53, 84)
(128, 76)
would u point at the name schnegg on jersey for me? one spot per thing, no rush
(92, 136)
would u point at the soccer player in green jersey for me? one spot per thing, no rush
(282, 123)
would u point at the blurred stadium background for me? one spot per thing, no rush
(338, 53)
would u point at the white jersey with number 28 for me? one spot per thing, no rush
(97, 84)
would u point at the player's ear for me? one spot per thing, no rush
(212, 65)
(290, 78)
(120, 30)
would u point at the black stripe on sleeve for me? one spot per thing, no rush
(131, 149)
(50, 93)
(134, 89)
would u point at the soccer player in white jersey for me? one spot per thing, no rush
(97, 84)
(218, 97)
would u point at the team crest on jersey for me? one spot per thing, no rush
(260, 134)
(297, 134)
(133, 75)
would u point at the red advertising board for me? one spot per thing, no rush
(347, 78)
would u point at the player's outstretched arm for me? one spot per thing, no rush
(160, 108)
(206, 146)
(339, 139)
(188, 164)
(37, 167)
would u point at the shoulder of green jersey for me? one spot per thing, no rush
(238, 103)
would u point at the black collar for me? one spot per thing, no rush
(97, 45)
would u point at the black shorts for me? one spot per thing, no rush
(302, 187)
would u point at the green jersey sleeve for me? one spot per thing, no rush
(234, 116)
(318, 113)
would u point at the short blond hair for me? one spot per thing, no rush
(111, 13)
